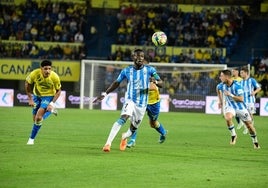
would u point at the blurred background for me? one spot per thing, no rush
(227, 32)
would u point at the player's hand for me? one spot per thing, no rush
(98, 99)
(227, 93)
(31, 102)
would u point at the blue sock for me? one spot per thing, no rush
(47, 113)
(35, 131)
(161, 129)
(134, 136)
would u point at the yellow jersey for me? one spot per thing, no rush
(237, 79)
(154, 95)
(44, 86)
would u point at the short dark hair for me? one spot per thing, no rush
(236, 68)
(46, 63)
(245, 69)
(138, 50)
(227, 72)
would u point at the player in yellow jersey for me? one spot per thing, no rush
(43, 88)
(235, 74)
(153, 110)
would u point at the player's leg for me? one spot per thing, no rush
(153, 113)
(126, 112)
(36, 126)
(252, 110)
(247, 119)
(136, 119)
(132, 141)
(39, 111)
(240, 123)
(229, 113)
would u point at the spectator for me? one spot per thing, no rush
(79, 37)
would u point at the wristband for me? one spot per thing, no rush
(52, 103)
(105, 94)
(232, 95)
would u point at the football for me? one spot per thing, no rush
(159, 38)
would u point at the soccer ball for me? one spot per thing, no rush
(159, 38)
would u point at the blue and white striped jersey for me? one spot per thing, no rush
(219, 86)
(237, 90)
(138, 83)
(249, 86)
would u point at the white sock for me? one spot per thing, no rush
(232, 130)
(126, 134)
(116, 127)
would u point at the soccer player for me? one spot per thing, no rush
(153, 109)
(46, 90)
(236, 77)
(234, 104)
(136, 97)
(251, 88)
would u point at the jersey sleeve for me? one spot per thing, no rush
(121, 76)
(30, 77)
(56, 81)
(255, 83)
(154, 73)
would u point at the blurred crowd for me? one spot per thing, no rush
(62, 24)
(42, 21)
(217, 29)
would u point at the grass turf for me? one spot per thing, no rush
(68, 152)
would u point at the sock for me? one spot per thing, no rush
(127, 134)
(254, 138)
(134, 136)
(35, 130)
(115, 129)
(237, 119)
(161, 129)
(47, 113)
(232, 130)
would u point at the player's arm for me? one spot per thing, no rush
(110, 89)
(55, 98)
(237, 98)
(28, 90)
(156, 80)
(219, 94)
(256, 91)
(158, 83)
(257, 87)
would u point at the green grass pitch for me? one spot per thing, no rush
(68, 152)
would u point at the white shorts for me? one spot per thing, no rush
(244, 115)
(228, 109)
(251, 108)
(136, 113)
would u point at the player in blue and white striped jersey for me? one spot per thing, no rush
(136, 97)
(251, 87)
(234, 95)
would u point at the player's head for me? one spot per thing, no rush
(46, 66)
(244, 72)
(225, 75)
(235, 71)
(138, 57)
